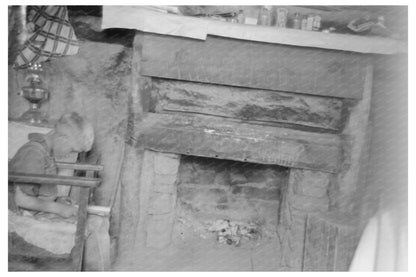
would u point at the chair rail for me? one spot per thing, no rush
(18, 177)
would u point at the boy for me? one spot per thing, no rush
(71, 134)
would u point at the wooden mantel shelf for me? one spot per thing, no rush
(221, 138)
(140, 18)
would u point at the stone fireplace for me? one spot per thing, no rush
(277, 160)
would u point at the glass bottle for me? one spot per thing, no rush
(281, 17)
(264, 16)
(241, 18)
(297, 21)
(309, 22)
(304, 23)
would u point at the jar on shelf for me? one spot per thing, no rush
(281, 17)
(304, 23)
(316, 23)
(241, 18)
(309, 22)
(264, 16)
(297, 21)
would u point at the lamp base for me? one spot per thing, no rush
(34, 117)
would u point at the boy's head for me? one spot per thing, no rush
(72, 134)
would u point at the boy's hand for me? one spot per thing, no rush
(67, 210)
(64, 200)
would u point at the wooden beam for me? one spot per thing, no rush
(255, 65)
(80, 234)
(249, 104)
(320, 245)
(130, 188)
(17, 177)
(227, 139)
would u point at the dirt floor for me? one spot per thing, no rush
(195, 250)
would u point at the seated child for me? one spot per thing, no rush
(71, 134)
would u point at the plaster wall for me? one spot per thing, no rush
(95, 83)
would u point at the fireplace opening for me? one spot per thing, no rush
(227, 213)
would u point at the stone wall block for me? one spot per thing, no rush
(161, 203)
(166, 163)
(257, 193)
(164, 179)
(164, 188)
(159, 230)
(309, 204)
(187, 194)
(312, 183)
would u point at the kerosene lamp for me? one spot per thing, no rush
(35, 93)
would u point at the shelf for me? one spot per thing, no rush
(140, 18)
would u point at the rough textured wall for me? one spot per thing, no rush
(95, 83)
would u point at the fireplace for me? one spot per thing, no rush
(211, 214)
(277, 160)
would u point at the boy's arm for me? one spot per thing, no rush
(33, 203)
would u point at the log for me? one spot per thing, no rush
(208, 136)
(255, 65)
(249, 104)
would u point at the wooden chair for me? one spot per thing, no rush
(86, 184)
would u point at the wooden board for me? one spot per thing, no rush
(330, 242)
(320, 245)
(80, 234)
(147, 20)
(254, 65)
(248, 104)
(227, 139)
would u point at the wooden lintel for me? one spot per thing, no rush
(227, 139)
(249, 104)
(254, 65)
